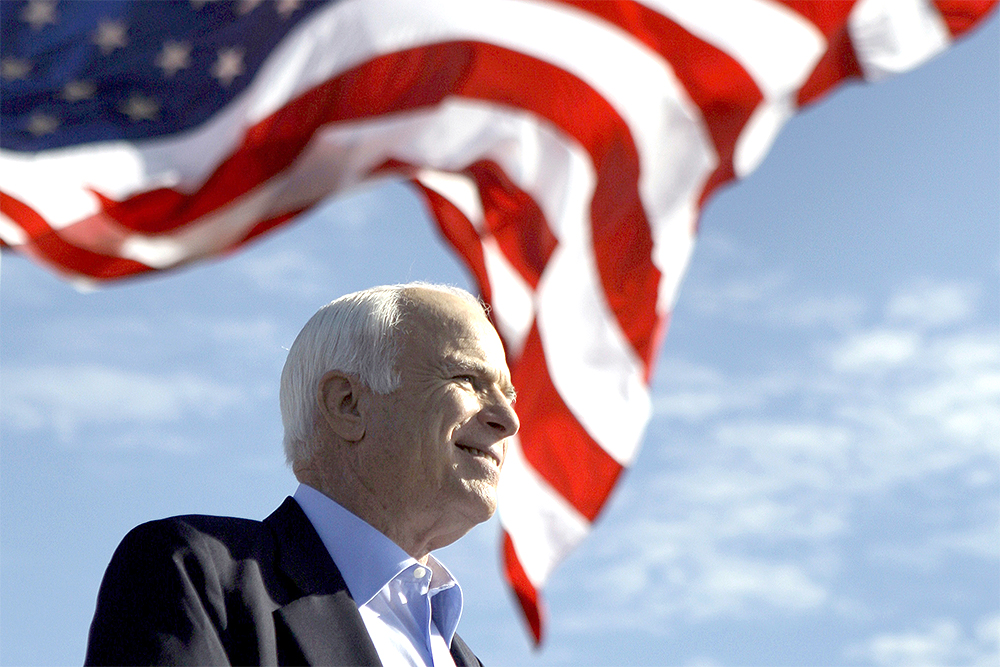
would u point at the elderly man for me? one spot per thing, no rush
(397, 404)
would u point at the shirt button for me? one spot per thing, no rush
(419, 572)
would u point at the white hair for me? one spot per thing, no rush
(359, 334)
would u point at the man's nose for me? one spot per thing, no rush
(500, 416)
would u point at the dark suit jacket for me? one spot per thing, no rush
(201, 590)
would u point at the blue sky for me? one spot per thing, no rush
(818, 485)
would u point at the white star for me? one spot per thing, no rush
(287, 7)
(74, 91)
(139, 107)
(173, 57)
(246, 6)
(39, 13)
(228, 66)
(42, 123)
(110, 35)
(12, 69)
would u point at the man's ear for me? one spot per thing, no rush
(338, 400)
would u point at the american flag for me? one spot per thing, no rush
(565, 149)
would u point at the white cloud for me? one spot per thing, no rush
(741, 472)
(66, 398)
(696, 393)
(253, 338)
(773, 299)
(875, 350)
(835, 311)
(942, 643)
(737, 584)
(652, 572)
(929, 304)
(285, 271)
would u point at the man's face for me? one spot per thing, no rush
(439, 440)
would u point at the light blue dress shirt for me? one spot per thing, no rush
(410, 610)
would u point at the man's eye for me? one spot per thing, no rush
(470, 379)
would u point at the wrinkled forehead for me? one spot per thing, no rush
(452, 335)
(450, 324)
(448, 316)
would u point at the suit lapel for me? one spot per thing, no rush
(325, 632)
(462, 654)
(323, 625)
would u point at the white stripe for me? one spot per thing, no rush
(776, 46)
(590, 362)
(341, 156)
(11, 232)
(459, 189)
(892, 36)
(543, 526)
(513, 298)
(513, 307)
(673, 243)
(33, 178)
(675, 151)
(759, 133)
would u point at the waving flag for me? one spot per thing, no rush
(564, 148)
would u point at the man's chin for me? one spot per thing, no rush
(481, 502)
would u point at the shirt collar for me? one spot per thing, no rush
(368, 560)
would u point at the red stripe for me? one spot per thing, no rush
(839, 62)
(394, 82)
(515, 220)
(962, 15)
(713, 79)
(512, 218)
(457, 229)
(621, 236)
(554, 442)
(48, 247)
(830, 18)
(527, 595)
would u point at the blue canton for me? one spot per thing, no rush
(75, 72)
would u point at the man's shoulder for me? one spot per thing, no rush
(190, 528)
(203, 536)
(215, 537)
(205, 525)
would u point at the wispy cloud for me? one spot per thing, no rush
(772, 298)
(938, 644)
(67, 398)
(930, 304)
(292, 271)
(757, 480)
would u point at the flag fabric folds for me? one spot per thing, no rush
(564, 148)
